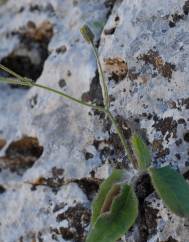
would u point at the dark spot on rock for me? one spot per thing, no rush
(116, 68)
(186, 8)
(21, 9)
(56, 181)
(158, 148)
(172, 104)
(170, 239)
(21, 154)
(178, 142)
(164, 68)
(56, 172)
(171, 24)
(178, 156)
(40, 8)
(78, 218)
(186, 136)
(105, 153)
(35, 8)
(109, 3)
(95, 92)
(62, 83)
(117, 19)
(58, 207)
(2, 189)
(88, 156)
(39, 236)
(182, 121)
(167, 126)
(2, 143)
(175, 18)
(69, 73)
(89, 186)
(33, 42)
(66, 233)
(185, 102)
(92, 173)
(27, 147)
(112, 98)
(33, 101)
(62, 49)
(132, 74)
(109, 31)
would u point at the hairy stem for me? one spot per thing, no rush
(24, 82)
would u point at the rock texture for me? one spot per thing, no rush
(54, 153)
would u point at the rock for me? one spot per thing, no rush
(152, 97)
(144, 49)
(49, 198)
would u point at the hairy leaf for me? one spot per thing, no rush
(172, 188)
(116, 176)
(111, 225)
(141, 152)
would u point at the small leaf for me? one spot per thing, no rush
(87, 34)
(172, 188)
(141, 152)
(116, 176)
(111, 225)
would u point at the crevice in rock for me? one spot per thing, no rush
(94, 94)
(89, 185)
(21, 154)
(147, 215)
(28, 58)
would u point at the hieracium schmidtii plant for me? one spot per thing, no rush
(115, 208)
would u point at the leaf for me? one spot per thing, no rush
(116, 176)
(111, 225)
(141, 152)
(172, 188)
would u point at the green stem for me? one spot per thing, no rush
(105, 89)
(24, 82)
(4, 68)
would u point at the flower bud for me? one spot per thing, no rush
(87, 34)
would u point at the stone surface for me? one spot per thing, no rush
(144, 49)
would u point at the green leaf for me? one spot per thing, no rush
(141, 152)
(111, 225)
(172, 188)
(116, 176)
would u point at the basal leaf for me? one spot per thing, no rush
(116, 176)
(141, 152)
(111, 225)
(172, 188)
